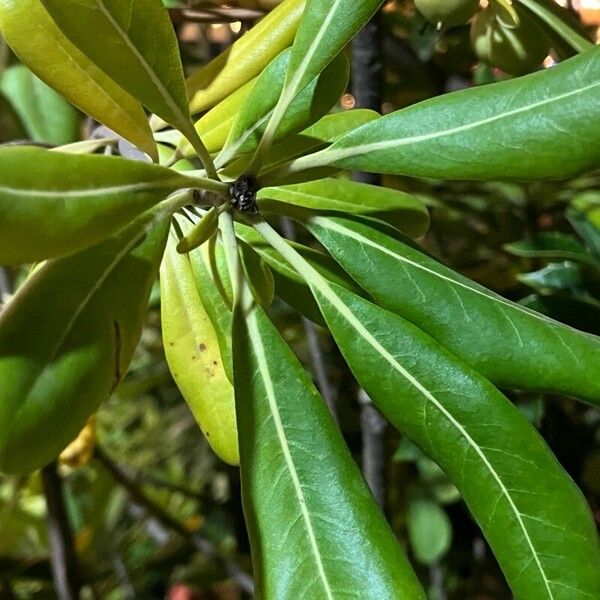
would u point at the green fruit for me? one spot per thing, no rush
(515, 49)
(448, 13)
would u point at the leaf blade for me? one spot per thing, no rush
(325, 497)
(124, 47)
(516, 347)
(40, 45)
(53, 378)
(534, 497)
(73, 202)
(486, 132)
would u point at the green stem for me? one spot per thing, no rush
(212, 185)
(232, 256)
(194, 139)
(176, 201)
(305, 270)
(297, 165)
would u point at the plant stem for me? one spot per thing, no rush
(314, 344)
(62, 552)
(232, 256)
(211, 185)
(367, 83)
(194, 139)
(296, 165)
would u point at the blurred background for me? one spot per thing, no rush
(153, 513)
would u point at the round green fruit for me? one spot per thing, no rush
(515, 49)
(447, 13)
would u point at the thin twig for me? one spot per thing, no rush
(222, 15)
(372, 426)
(60, 537)
(367, 83)
(124, 478)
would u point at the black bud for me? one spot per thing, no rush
(243, 194)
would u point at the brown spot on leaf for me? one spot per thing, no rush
(202, 347)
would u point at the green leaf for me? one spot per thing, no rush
(41, 45)
(246, 58)
(52, 204)
(555, 276)
(323, 132)
(551, 244)
(526, 128)
(304, 499)
(213, 287)
(310, 105)
(134, 44)
(201, 233)
(67, 337)
(534, 517)
(325, 28)
(289, 286)
(215, 126)
(582, 313)
(509, 344)
(429, 530)
(342, 195)
(46, 115)
(258, 275)
(561, 21)
(193, 353)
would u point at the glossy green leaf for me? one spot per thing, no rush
(326, 130)
(67, 337)
(314, 527)
(311, 104)
(134, 44)
(193, 353)
(201, 233)
(325, 28)
(526, 128)
(246, 58)
(512, 346)
(71, 201)
(429, 530)
(42, 46)
(536, 521)
(551, 244)
(342, 195)
(561, 21)
(45, 114)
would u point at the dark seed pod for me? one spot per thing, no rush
(243, 195)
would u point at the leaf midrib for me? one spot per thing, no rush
(90, 193)
(263, 367)
(183, 120)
